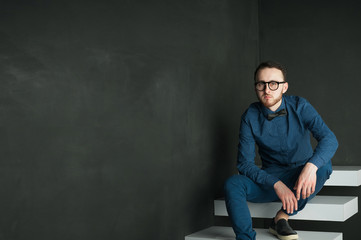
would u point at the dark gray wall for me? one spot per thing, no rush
(119, 119)
(319, 42)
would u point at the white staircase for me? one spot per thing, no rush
(320, 208)
(348, 176)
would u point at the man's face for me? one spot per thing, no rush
(271, 99)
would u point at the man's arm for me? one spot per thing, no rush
(326, 140)
(324, 151)
(246, 155)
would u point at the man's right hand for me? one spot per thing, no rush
(287, 197)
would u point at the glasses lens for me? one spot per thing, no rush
(273, 85)
(260, 86)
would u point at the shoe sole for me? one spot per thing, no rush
(289, 237)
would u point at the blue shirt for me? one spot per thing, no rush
(283, 142)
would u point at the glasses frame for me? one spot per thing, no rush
(268, 85)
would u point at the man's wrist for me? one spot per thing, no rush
(312, 166)
(276, 184)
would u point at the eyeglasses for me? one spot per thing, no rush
(272, 85)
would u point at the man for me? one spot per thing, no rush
(292, 172)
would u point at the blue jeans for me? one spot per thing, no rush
(239, 189)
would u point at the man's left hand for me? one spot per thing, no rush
(306, 182)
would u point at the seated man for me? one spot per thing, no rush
(292, 172)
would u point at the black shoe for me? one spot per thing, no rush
(282, 230)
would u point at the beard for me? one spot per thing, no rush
(268, 103)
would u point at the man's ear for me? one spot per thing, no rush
(285, 87)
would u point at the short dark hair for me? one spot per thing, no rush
(270, 64)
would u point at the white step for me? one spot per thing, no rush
(320, 208)
(226, 233)
(345, 176)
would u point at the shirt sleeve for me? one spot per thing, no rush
(327, 142)
(246, 158)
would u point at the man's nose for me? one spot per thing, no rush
(267, 89)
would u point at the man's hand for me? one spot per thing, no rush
(306, 182)
(288, 199)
